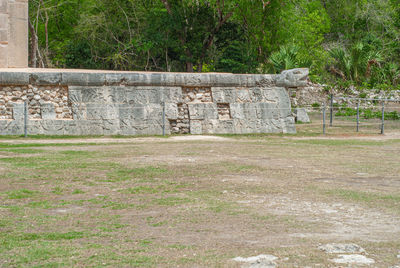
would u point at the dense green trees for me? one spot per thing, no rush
(342, 41)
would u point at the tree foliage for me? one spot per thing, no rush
(356, 41)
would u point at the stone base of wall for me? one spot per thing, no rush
(122, 103)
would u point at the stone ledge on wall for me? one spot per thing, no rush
(290, 78)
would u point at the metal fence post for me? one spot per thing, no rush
(358, 115)
(163, 118)
(323, 119)
(383, 118)
(25, 119)
(331, 111)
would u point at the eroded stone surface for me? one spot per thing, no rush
(301, 115)
(336, 248)
(260, 261)
(353, 259)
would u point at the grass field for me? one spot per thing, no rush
(197, 201)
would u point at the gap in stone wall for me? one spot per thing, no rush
(224, 111)
(182, 124)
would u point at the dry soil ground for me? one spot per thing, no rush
(197, 201)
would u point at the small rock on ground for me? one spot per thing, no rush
(260, 261)
(341, 248)
(353, 259)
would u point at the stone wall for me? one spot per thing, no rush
(62, 102)
(13, 33)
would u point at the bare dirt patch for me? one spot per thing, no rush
(199, 201)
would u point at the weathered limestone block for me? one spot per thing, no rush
(75, 95)
(173, 94)
(18, 111)
(223, 95)
(293, 78)
(243, 95)
(133, 112)
(215, 126)
(171, 111)
(3, 55)
(111, 126)
(154, 111)
(271, 95)
(246, 111)
(14, 78)
(48, 111)
(199, 111)
(288, 126)
(49, 127)
(155, 95)
(15, 127)
(102, 111)
(18, 34)
(137, 96)
(196, 127)
(83, 79)
(45, 78)
(79, 112)
(301, 115)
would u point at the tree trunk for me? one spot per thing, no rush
(189, 67)
(34, 45)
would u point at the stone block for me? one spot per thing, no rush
(3, 6)
(154, 112)
(118, 95)
(136, 95)
(301, 115)
(45, 78)
(288, 125)
(4, 36)
(4, 21)
(171, 111)
(196, 127)
(154, 95)
(49, 127)
(293, 78)
(243, 95)
(11, 127)
(199, 111)
(271, 94)
(74, 79)
(82, 79)
(269, 111)
(111, 127)
(48, 111)
(223, 94)
(18, 111)
(173, 94)
(18, 10)
(75, 95)
(96, 95)
(226, 80)
(78, 112)
(3, 57)
(215, 126)
(102, 112)
(18, 43)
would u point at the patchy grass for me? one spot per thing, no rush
(123, 174)
(21, 193)
(195, 204)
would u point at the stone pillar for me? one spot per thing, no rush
(13, 33)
